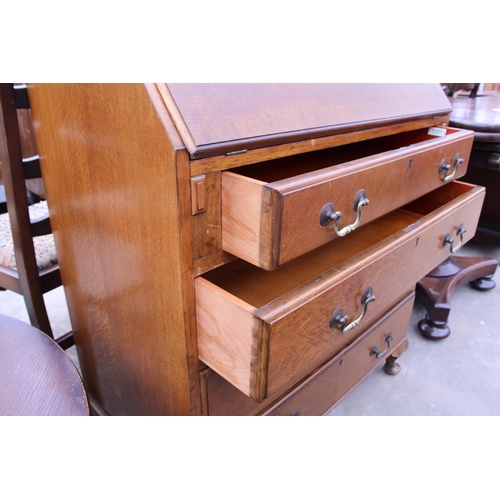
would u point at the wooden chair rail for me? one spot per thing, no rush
(21, 163)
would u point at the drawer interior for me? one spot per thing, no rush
(436, 199)
(258, 287)
(283, 168)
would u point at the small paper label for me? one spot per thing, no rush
(439, 132)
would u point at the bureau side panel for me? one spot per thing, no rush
(110, 174)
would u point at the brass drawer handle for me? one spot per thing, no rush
(448, 240)
(444, 168)
(328, 214)
(376, 352)
(338, 320)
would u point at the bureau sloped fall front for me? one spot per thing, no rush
(229, 249)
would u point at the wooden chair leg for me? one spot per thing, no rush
(37, 311)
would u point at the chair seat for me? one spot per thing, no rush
(45, 250)
(37, 378)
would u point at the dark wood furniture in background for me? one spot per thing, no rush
(37, 378)
(452, 88)
(436, 290)
(480, 114)
(246, 249)
(24, 273)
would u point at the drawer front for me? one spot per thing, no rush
(326, 386)
(222, 399)
(265, 350)
(339, 376)
(271, 224)
(301, 337)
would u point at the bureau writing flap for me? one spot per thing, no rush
(221, 118)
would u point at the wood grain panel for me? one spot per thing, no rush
(108, 156)
(215, 118)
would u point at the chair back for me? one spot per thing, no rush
(28, 259)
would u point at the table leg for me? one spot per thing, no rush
(436, 288)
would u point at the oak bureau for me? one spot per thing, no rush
(244, 249)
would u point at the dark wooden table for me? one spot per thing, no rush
(482, 115)
(36, 376)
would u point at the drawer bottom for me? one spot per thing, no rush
(329, 384)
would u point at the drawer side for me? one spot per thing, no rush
(248, 220)
(230, 338)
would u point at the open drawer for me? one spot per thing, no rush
(325, 388)
(262, 330)
(275, 211)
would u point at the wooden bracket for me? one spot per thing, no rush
(198, 195)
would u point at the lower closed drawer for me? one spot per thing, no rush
(265, 331)
(338, 377)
